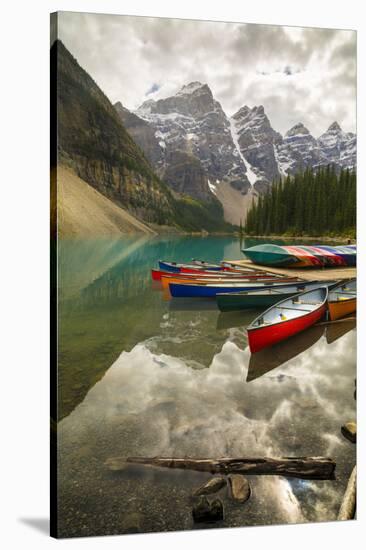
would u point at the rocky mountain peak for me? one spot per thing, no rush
(120, 108)
(193, 88)
(259, 109)
(335, 128)
(338, 147)
(192, 100)
(242, 112)
(255, 117)
(333, 135)
(256, 139)
(146, 107)
(298, 129)
(298, 151)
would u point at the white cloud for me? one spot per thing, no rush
(243, 64)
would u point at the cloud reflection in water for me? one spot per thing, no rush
(173, 410)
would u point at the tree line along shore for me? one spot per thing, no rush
(307, 204)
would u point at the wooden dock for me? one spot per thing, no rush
(306, 273)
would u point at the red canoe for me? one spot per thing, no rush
(222, 270)
(157, 274)
(287, 318)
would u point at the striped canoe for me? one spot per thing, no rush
(302, 256)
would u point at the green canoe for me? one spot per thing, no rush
(252, 299)
(269, 254)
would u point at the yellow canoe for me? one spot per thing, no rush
(342, 299)
(342, 307)
(166, 279)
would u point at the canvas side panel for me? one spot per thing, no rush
(53, 274)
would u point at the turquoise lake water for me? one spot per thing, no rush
(143, 376)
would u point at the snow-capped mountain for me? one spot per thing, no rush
(338, 147)
(200, 152)
(272, 155)
(194, 123)
(298, 150)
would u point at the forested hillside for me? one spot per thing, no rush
(309, 203)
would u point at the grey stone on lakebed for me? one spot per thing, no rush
(349, 430)
(132, 523)
(239, 487)
(213, 485)
(205, 511)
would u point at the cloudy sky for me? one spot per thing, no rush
(298, 74)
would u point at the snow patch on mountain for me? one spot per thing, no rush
(252, 177)
(282, 162)
(255, 138)
(212, 187)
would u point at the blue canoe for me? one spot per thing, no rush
(178, 290)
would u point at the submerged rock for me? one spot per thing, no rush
(132, 523)
(349, 430)
(205, 511)
(239, 487)
(211, 486)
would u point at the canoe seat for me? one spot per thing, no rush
(294, 308)
(307, 303)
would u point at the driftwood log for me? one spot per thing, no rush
(348, 506)
(349, 431)
(301, 467)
